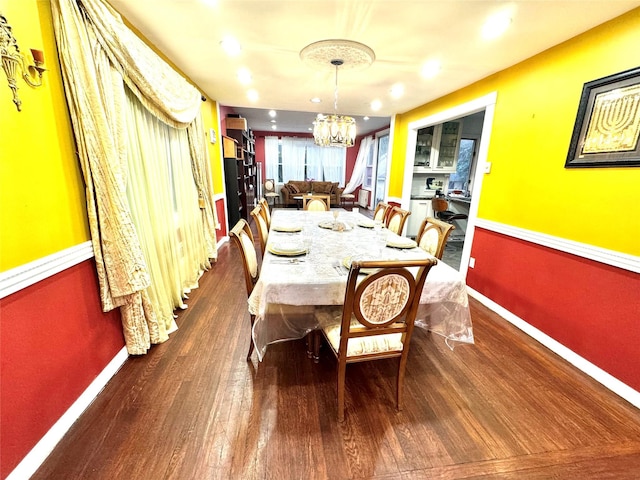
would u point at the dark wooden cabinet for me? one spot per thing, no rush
(240, 173)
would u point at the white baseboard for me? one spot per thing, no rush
(616, 386)
(39, 453)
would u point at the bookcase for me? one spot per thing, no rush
(240, 170)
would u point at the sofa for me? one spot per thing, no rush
(300, 187)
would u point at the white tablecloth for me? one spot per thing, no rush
(289, 288)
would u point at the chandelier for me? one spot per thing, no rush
(335, 130)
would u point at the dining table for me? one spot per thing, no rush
(306, 263)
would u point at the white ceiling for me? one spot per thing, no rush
(402, 33)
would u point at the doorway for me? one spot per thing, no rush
(484, 104)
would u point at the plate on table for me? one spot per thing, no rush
(286, 228)
(366, 223)
(287, 249)
(327, 224)
(346, 263)
(401, 242)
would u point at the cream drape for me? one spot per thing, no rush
(359, 169)
(99, 55)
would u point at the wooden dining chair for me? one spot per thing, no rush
(381, 212)
(433, 235)
(266, 213)
(243, 239)
(261, 224)
(316, 203)
(377, 318)
(396, 220)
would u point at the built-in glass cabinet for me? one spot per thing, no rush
(437, 147)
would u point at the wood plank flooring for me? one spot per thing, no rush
(194, 408)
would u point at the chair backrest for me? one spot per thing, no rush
(439, 204)
(396, 220)
(266, 214)
(382, 303)
(432, 236)
(381, 211)
(269, 185)
(316, 203)
(261, 224)
(243, 239)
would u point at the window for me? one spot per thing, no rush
(460, 179)
(295, 158)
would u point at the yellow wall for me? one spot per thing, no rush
(210, 119)
(42, 204)
(536, 107)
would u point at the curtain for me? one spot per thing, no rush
(315, 161)
(359, 169)
(333, 163)
(99, 56)
(293, 158)
(161, 187)
(271, 157)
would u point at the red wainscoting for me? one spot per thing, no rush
(55, 340)
(589, 307)
(222, 219)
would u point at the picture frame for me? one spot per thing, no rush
(606, 132)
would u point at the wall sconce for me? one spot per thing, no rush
(14, 63)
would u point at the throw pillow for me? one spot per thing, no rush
(293, 188)
(334, 187)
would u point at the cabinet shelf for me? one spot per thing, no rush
(240, 171)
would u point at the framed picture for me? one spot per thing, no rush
(607, 128)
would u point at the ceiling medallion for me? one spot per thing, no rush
(354, 55)
(336, 130)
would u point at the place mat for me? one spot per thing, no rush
(401, 243)
(346, 262)
(286, 228)
(287, 249)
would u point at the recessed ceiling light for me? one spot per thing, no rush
(496, 24)
(315, 100)
(244, 75)
(273, 121)
(430, 68)
(365, 118)
(274, 127)
(252, 95)
(397, 90)
(272, 113)
(376, 105)
(231, 46)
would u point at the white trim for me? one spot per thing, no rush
(39, 453)
(591, 252)
(31, 273)
(486, 103)
(607, 380)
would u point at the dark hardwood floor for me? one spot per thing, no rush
(194, 408)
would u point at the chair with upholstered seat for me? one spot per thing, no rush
(432, 236)
(243, 239)
(317, 203)
(269, 191)
(381, 212)
(396, 220)
(266, 214)
(377, 318)
(261, 224)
